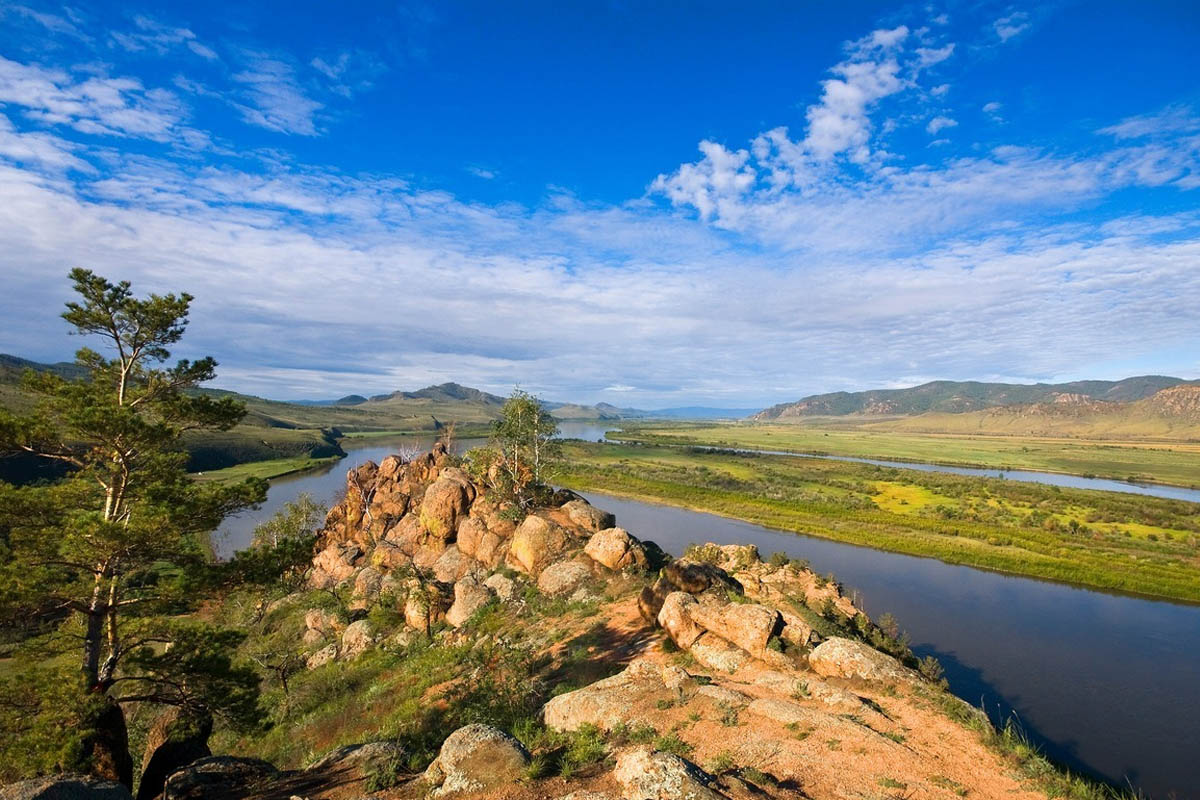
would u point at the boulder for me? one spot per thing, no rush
(476, 758)
(357, 639)
(846, 658)
(469, 596)
(696, 577)
(536, 544)
(612, 701)
(471, 531)
(785, 712)
(446, 501)
(503, 586)
(321, 625)
(366, 587)
(747, 625)
(333, 565)
(646, 774)
(587, 516)
(676, 619)
(716, 653)
(616, 549)
(65, 787)
(563, 577)
(216, 776)
(452, 564)
(322, 657)
(172, 743)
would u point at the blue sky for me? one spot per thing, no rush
(647, 204)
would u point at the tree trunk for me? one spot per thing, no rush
(107, 746)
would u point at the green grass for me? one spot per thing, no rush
(1005, 526)
(265, 469)
(1175, 463)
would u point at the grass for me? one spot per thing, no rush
(1171, 462)
(1104, 540)
(265, 469)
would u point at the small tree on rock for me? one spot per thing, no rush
(521, 452)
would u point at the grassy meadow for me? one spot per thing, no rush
(1104, 540)
(1175, 462)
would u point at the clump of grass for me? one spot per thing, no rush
(671, 743)
(721, 762)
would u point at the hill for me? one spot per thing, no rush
(1172, 413)
(959, 397)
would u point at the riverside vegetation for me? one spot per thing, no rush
(1106, 540)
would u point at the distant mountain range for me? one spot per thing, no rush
(958, 397)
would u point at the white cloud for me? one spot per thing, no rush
(480, 172)
(940, 123)
(274, 98)
(95, 105)
(1012, 25)
(1173, 120)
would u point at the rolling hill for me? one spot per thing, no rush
(960, 397)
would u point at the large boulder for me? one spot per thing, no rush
(563, 577)
(747, 625)
(697, 576)
(846, 658)
(216, 776)
(65, 787)
(446, 500)
(174, 741)
(536, 544)
(357, 639)
(476, 758)
(616, 549)
(646, 774)
(676, 618)
(469, 596)
(717, 653)
(333, 565)
(587, 516)
(321, 626)
(610, 702)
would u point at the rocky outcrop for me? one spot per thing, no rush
(361, 758)
(847, 658)
(65, 787)
(476, 758)
(646, 774)
(608, 703)
(616, 549)
(536, 544)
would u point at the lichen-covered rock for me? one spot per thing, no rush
(445, 501)
(502, 586)
(217, 776)
(747, 625)
(471, 531)
(321, 626)
(587, 516)
(716, 653)
(563, 577)
(617, 700)
(646, 774)
(453, 564)
(536, 544)
(475, 758)
(357, 639)
(616, 549)
(322, 657)
(675, 617)
(846, 658)
(333, 565)
(366, 587)
(696, 577)
(64, 787)
(469, 596)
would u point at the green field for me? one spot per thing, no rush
(265, 469)
(1105, 540)
(1175, 463)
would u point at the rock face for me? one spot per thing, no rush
(846, 658)
(646, 774)
(212, 776)
(616, 549)
(360, 757)
(475, 758)
(172, 743)
(65, 787)
(610, 702)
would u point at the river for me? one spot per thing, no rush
(1105, 683)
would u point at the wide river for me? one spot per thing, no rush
(1105, 683)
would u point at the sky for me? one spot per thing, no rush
(647, 204)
